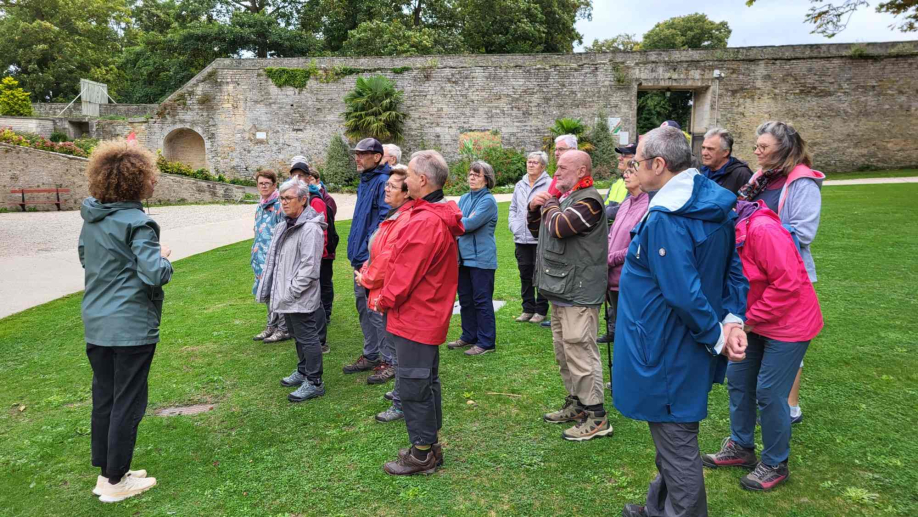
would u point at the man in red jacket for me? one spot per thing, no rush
(418, 292)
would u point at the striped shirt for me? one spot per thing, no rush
(578, 218)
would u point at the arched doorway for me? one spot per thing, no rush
(186, 146)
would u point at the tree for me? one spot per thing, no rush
(604, 156)
(656, 107)
(522, 26)
(372, 110)
(620, 43)
(379, 38)
(685, 32)
(14, 100)
(339, 170)
(831, 18)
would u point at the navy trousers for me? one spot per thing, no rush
(476, 294)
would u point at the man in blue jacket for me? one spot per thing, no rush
(371, 209)
(681, 307)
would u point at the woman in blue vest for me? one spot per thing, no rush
(477, 262)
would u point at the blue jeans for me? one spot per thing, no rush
(476, 292)
(766, 375)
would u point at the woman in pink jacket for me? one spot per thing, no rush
(782, 316)
(629, 214)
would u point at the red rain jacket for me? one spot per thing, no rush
(374, 270)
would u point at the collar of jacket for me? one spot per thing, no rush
(272, 198)
(382, 168)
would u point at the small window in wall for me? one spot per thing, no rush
(186, 146)
(261, 135)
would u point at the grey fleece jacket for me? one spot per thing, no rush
(291, 277)
(801, 211)
(519, 207)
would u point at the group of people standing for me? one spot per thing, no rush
(707, 273)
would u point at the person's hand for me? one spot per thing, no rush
(164, 251)
(540, 199)
(734, 342)
(358, 277)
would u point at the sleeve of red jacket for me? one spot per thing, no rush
(409, 261)
(318, 205)
(375, 272)
(774, 254)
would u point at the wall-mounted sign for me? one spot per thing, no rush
(615, 125)
(261, 135)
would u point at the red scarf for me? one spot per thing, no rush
(585, 182)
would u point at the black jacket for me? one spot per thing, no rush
(731, 176)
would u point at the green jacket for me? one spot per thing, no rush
(574, 270)
(124, 272)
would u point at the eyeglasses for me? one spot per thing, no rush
(634, 164)
(390, 186)
(534, 162)
(760, 147)
(264, 184)
(473, 174)
(560, 150)
(285, 199)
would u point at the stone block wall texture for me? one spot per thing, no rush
(53, 109)
(41, 126)
(21, 167)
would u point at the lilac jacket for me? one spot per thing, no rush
(629, 215)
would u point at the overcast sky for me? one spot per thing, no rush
(768, 22)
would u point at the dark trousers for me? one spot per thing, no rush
(327, 289)
(306, 328)
(374, 332)
(532, 299)
(476, 295)
(119, 400)
(611, 308)
(678, 489)
(764, 379)
(419, 388)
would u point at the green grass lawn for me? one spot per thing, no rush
(898, 173)
(257, 454)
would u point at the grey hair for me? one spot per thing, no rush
(570, 140)
(726, 139)
(301, 188)
(541, 155)
(431, 165)
(791, 151)
(486, 170)
(393, 150)
(670, 144)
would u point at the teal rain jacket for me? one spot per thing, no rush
(120, 253)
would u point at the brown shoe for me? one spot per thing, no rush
(592, 426)
(538, 318)
(571, 411)
(436, 448)
(382, 374)
(477, 350)
(409, 465)
(362, 364)
(452, 345)
(526, 316)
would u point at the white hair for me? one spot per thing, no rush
(726, 139)
(299, 187)
(432, 165)
(393, 150)
(540, 155)
(570, 140)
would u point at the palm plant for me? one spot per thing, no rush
(568, 126)
(372, 110)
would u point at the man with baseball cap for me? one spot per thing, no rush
(370, 210)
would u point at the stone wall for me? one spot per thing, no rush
(41, 126)
(53, 109)
(854, 104)
(21, 167)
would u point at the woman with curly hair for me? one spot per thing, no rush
(125, 269)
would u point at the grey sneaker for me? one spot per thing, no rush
(277, 337)
(307, 391)
(294, 379)
(389, 395)
(391, 414)
(263, 334)
(571, 411)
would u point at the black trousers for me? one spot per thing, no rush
(306, 328)
(611, 309)
(678, 489)
(532, 299)
(119, 401)
(327, 289)
(419, 388)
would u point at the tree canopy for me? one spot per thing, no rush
(830, 18)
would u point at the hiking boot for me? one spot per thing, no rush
(293, 380)
(730, 455)
(606, 338)
(571, 411)
(634, 510)
(477, 350)
(526, 316)
(325, 349)
(277, 337)
(408, 465)
(101, 480)
(592, 426)
(307, 391)
(263, 334)
(538, 318)
(382, 374)
(436, 448)
(545, 323)
(391, 414)
(362, 364)
(452, 345)
(765, 477)
(129, 486)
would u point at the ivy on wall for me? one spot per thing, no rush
(299, 77)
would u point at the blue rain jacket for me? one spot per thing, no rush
(371, 209)
(477, 246)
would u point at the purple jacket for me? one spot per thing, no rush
(629, 215)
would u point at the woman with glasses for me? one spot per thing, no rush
(477, 263)
(291, 284)
(788, 186)
(536, 180)
(267, 214)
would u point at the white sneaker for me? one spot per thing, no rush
(128, 487)
(101, 480)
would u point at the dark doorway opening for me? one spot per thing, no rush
(657, 106)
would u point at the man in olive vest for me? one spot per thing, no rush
(571, 272)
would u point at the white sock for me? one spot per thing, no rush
(795, 411)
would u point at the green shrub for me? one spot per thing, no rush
(340, 171)
(372, 109)
(14, 101)
(8, 136)
(58, 136)
(509, 166)
(605, 160)
(244, 182)
(86, 144)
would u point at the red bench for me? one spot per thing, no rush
(23, 191)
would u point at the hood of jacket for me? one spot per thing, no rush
(310, 216)
(746, 220)
(93, 211)
(382, 168)
(689, 194)
(447, 211)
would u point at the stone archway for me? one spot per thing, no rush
(186, 146)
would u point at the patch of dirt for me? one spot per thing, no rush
(184, 410)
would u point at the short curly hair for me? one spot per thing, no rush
(118, 170)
